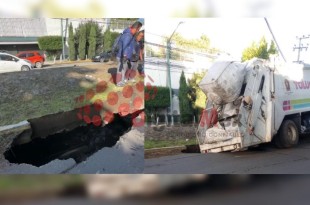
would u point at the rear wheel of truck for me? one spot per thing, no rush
(288, 135)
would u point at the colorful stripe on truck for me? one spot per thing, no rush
(296, 104)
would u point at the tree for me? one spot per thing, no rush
(202, 43)
(263, 49)
(108, 39)
(197, 97)
(272, 49)
(84, 30)
(186, 110)
(114, 35)
(98, 29)
(51, 44)
(92, 42)
(155, 97)
(259, 50)
(71, 43)
(82, 43)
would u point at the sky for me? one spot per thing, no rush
(233, 35)
(241, 31)
(163, 8)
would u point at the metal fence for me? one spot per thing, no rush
(116, 24)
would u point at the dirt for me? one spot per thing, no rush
(155, 153)
(177, 132)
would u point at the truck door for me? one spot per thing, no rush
(254, 106)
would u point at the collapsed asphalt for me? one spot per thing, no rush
(78, 143)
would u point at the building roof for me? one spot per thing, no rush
(22, 27)
(9, 40)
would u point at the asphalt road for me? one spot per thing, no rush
(265, 159)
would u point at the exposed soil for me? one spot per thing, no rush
(177, 132)
(155, 153)
(163, 132)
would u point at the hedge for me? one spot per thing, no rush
(156, 97)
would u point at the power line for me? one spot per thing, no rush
(274, 38)
(300, 46)
(184, 50)
(156, 35)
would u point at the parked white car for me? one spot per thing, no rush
(10, 63)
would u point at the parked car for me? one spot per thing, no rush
(10, 63)
(102, 57)
(36, 59)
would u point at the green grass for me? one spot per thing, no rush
(149, 144)
(26, 105)
(37, 106)
(32, 183)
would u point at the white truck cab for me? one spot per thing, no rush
(255, 102)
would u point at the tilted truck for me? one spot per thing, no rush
(254, 102)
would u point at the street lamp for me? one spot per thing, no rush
(168, 68)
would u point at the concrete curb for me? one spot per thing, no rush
(9, 132)
(159, 148)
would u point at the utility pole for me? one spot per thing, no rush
(62, 39)
(300, 46)
(274, 38)
(168, 53)
(65, 38)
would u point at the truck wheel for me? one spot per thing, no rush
(288, 135)
(101, 60)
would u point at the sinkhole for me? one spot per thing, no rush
(78, 143)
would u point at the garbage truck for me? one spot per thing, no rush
(254, 102)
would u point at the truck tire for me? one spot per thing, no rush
(288, 135)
